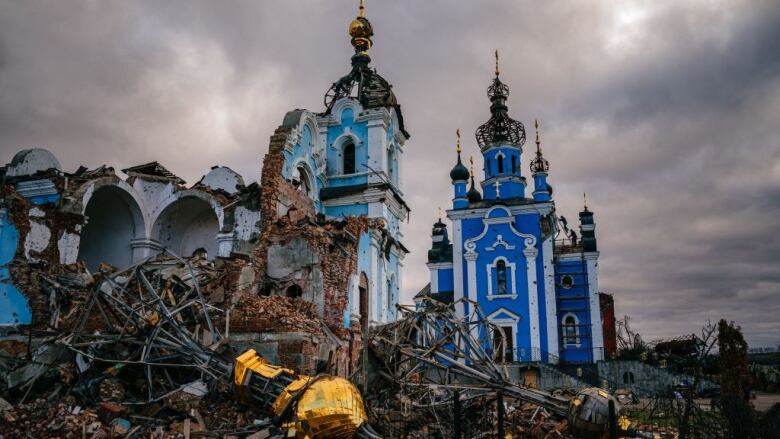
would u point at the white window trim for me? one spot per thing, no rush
(511, 281)
(511, 321)
(577, 337)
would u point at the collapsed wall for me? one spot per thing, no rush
(283, 282)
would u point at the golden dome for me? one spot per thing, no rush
(361, 31)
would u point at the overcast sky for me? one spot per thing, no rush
(667, 113)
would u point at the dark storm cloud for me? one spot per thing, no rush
(666, 113)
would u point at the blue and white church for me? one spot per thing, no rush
(540, 292)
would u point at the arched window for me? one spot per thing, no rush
(570, 330)
(349, 158)
(293, 291)
(301, 181)
(501, 277)
(628, 377)
(500, 164)
(487, 167)
(514, 165)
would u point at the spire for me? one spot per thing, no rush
(459, 172)
(362, 9)
(585, 201)
(539, 163)
(497, 71)
(473, 194)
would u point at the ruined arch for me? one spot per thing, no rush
(188, 224)
(114, 219)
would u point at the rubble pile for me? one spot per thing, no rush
(273, 314)
(430, 361)
(139, 352)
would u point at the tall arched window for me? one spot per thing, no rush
(500, 164)
(501, 277)
(570, 331)
(301, 181)
(349, 158)
(487, 167)
(514, 164)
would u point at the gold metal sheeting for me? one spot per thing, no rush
(330, 407)
(250, 361)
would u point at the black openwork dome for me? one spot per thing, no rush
(500, 127)
(539, 164)
(363, 83)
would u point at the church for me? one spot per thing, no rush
(540, 292)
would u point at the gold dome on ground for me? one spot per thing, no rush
(361, 31)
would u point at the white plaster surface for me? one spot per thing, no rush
(68, 245)
(30, 161)
(223, 178)
(37, 239)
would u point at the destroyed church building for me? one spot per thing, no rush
(322, 225)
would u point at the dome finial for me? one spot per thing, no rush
(585, 199)
(536, 125)
(457, 134)
(439, 213)
(471, 162)
(497, 71)
(539, 163)
(361, 31)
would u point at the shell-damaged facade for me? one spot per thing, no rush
(322, 226)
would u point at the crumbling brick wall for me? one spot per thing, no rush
(289, 215)
(28, 275)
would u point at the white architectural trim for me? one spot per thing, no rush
(434, 279)
(597, 333)
(540, 208)
(577, 334)
(457, 257)
(439, 265)
(500, 241)
(512, 291)
(530, 254)
(511, 321)
(508, 219)
(550, 304)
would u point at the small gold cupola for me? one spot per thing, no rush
(361, 31)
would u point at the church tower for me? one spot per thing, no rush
(362, 138)
(504, 255)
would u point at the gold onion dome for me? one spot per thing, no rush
(361, 31)
(364, 83)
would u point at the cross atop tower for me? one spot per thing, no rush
(497, 184)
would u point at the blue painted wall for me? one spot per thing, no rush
(574, 300)
(14, 308)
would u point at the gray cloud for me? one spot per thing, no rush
(665, 113)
